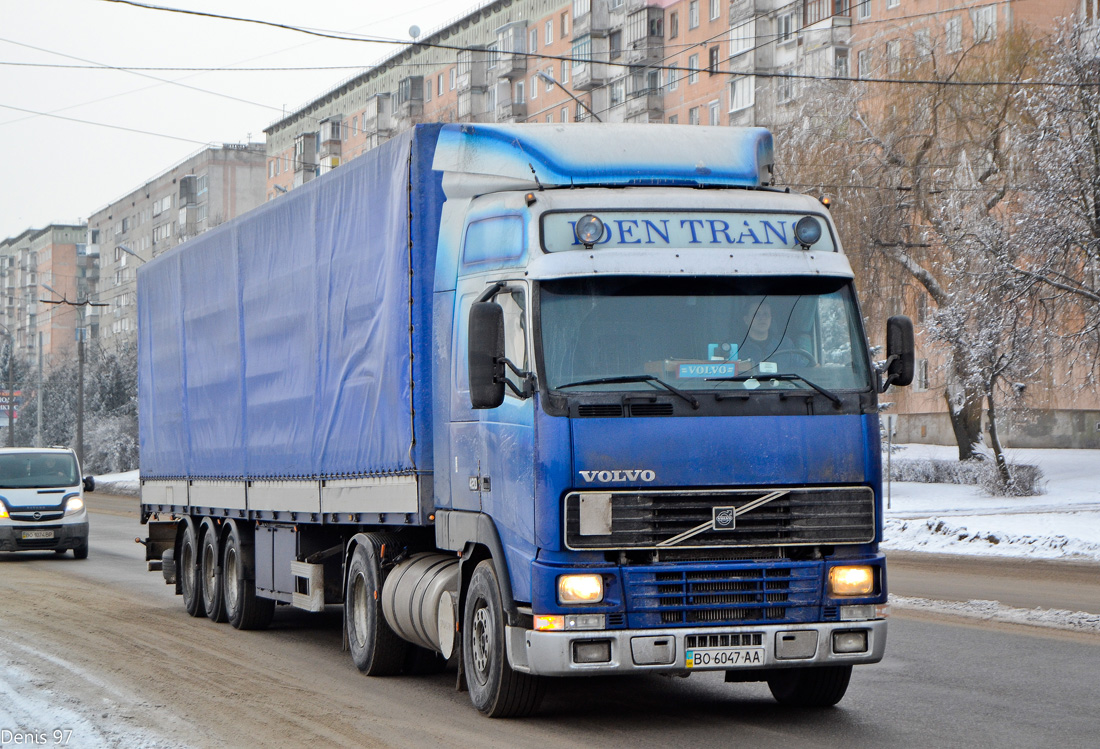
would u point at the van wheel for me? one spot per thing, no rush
(375, 648)
(80, 552)
(495, 689)
(243, 608)
(810, 687)
(213, 599)
(190, 579)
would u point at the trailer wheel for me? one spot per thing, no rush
(375, 648)
(810, 687)
(190, 579)
(495, 689)
(213, 599)
(243, 608)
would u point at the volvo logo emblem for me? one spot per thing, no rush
(37, 516)
(615, 477)
(724, 519)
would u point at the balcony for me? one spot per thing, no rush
(511, 111)
(649, 101)
(511, 66)
(595, 23)
(645, 51)
(589, 76)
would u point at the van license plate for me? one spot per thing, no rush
(704, 658)
(28, 535)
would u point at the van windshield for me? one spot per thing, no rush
(38, 470)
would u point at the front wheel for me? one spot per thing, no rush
(810, 687)
(495, 688)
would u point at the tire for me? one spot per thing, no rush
(243, 608)
(189, 575)
(60, 552)
(80, 552)
(375, 648)
(210, 569)
(495, 689)
(810, 687)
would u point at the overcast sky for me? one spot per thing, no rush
(55, 170)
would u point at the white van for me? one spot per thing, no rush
(42, 501)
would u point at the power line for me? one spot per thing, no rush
(102, 124)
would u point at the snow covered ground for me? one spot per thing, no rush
(1062, 523)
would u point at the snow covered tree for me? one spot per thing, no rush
(922, 165)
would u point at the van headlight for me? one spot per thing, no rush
(580, 589)
(74, 506)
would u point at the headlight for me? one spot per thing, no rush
(580, 589)
(852, 581)
(74, 505)
(3, 510)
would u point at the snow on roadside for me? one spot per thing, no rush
(126, 484)
(1062, 523)
(995, 611)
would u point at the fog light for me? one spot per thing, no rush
(852, 641)
(580, 589)
(549, 622)
(592, 651)
(585, 621)
(852, 581)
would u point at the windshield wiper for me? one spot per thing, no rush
(784, 377)
(635, 378)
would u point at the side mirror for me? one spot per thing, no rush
(486, 355)
(89, 483)
(899, 351)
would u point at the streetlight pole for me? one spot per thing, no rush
(80, 362)
(11, 386)
(550, 79)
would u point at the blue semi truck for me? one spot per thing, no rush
(535, 400)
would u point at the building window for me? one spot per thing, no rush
(439, 89)
(693, 116)
(673, 24)
(565, 114)
(712, 110)
(564, 78)
(519, 92)
(674, 119)
(922, 43)
(784, 87)
(715, 9)
(742, 93)
(582, 51)
(548, 35)
(864, 10)
(564, 25)
(548, 81)
(534, 88)
(985, 23)
(920, 381)
(863, 61)
(893, 56)
(615, 45)
(673, 79)
(581, 8)
(534, 34)
(693, 68)
(787, 25)
(454, 78)
(742, 38)
(953, 37)
(712, 60)
(693, 14)
(840, 63)
(892, 3)
(618, 89)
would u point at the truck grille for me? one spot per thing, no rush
(781, 517)
(714, 596)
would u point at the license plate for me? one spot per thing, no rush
(28, 535)
(703, 658)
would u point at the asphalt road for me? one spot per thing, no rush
(105, 635)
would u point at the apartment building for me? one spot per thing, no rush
(55, 264)
(200, 192)
(687, 62)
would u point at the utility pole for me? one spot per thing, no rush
(11, 386)
(79, 306)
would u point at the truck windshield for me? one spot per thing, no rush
(702, 334)
(37, 470)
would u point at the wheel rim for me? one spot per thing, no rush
(482, 638)
(359, 609)
(231, 581)
(209, 572)
(188, 568)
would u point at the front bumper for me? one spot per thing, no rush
(664, 651)
(65, 536)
